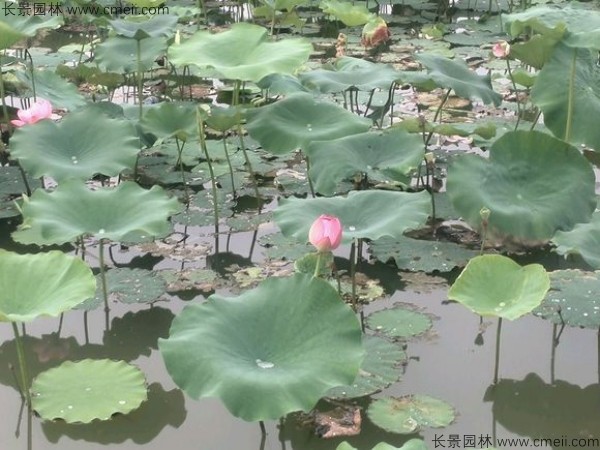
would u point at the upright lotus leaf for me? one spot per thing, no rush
(583, 240)
(347, 12)
(143, 27)
(242, 53)
(118, 53)
(347, 75)
(533, 184)
(72, 210)
(171, 120)
(300, 119)
(363, 214)
(274, 349)
(83, 144)
(87, 390)
(410, 413)
(456, 75)
(568, 89)
(44, 284)
(385, 155)
(52, 87)
(14, 27)
(572, 299)
(494, 285)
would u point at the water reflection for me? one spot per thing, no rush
(538, 410)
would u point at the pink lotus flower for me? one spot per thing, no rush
(501, 49)
(42, 109)
(325, 233)
(375, 32)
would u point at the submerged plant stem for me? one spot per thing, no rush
(213, 182)
(497, 363)
(22, 365)
(571, 103)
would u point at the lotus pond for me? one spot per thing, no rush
(299, 225)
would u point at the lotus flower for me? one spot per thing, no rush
(375, 32)
(42, 109)
(501, 49)
(325, 233)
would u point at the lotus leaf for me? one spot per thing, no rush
(88, 390)
(395, 213)
(350, 14)
(171, 120)
(287, 342)
(411, 444)
(533, 184)
(44, 284)
(379, 369)
(52, 87)
(572, 299)
(14, 27)
(75, 149)
(389, 155)
(552, 94)
(582, 240)
(72, 210)
(457, 76)
(143, 27)
(300, 119)
(410, 413)
(494, 285)
(244, 52)
(400, 321)
(118, 53)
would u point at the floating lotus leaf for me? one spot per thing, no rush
(277, 246)
(412, 444)
(44, 284)
(411, 413)
(363, 214)
(379, 369)
(551, 93)
(420, 255)
(347, 75)
(533, 184)
(457, 76)
(350, 14)
(81, 145)
(300, 119)
(244, 52)
(274, 349)
(171, 120)
(582, 240)
(572, 299)
(11, 181)
(389, 155)
(494, 285)
(14, 27)
(400, 321)
(143, 27)
(119, 54)
(108, 213)
(88, 390)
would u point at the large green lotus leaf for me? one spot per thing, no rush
(551, 93)
(44, 284)
(347, 12)
(244, 52)
(533, 184)
(420, 255)
(170, 119)
(274, 349)
(583, 239)
(389, 155)
(347, 75)
(14, 27)
(363, 214)
(412, 444)
(456, 75)
(72, 210)
(52, 87)
(119, 54)
(88, 390)
(410, 413)
(143, 27)
(300, 119)
(83, 144)
(379, 369)
(494, 285)
(572, 299)
(399, 322)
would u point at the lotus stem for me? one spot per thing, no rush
(31, 70)
(310, 183)
(553, 354)
(180, 164)
(22, 365)
(437, 114)
(318, 266)
(229, 164)
(516, 93)
(353, 273)
(103, 276)
(497, 363)
(213, 182)
(571, 103)
(263, 430)
(2, 97)
(140, 79)
(23, 175)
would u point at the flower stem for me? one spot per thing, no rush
(497, 363)
(229, 164)
(103, 275)
(516, 93)
(210, 170)
(318, 266)
(22, 365)
(353, 273)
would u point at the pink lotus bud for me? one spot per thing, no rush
(42, 109)
(325, 233)
(501, 49)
